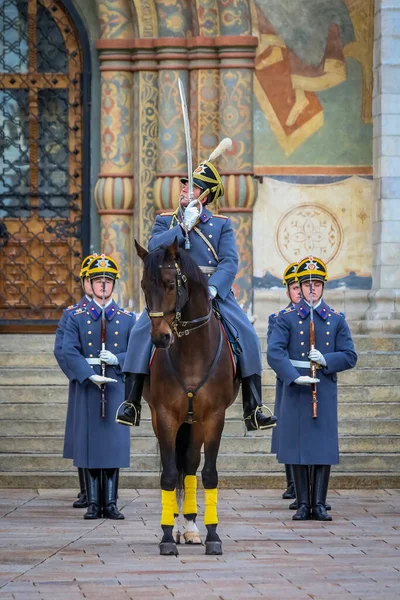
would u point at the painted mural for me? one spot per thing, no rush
(313, 137)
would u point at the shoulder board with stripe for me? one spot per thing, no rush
(123, 311)
(80, 311)
(71, 307)
(219, 217)
(166, 214)
(287, 310)
(337, 312)
(274, 315)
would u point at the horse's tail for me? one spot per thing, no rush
(181, 447)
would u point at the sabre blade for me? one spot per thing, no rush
(186, 125)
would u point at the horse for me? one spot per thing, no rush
(191, 385)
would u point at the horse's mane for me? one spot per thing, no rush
(156, 258)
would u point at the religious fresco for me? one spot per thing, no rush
(313, 137)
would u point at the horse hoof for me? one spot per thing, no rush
(191, 537)
(214, 548)
(177, 537)
(168, 549)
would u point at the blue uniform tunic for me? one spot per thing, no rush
(218, 231)
(58, 344)
(309, 441)
(97, 443)
(278, 385)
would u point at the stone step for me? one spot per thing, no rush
(55, 377)
(50, 411)
(38, 394)
(229, 444)
(233, 427)
(252, 462)
(228, 480)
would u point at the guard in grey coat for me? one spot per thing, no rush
(308, 441)
(100, 446)
(81, 502)
(294, 295)
(213, 248)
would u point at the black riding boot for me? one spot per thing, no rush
(82, 497)
(252, 404)
(290, 492)
(129, 411)
(293, 505)
(110, 491)
(93, 487)
(319, 490)
(302, 484)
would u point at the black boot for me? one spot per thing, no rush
(302, 484)
(128, 412)
(110, 491)
(93, 487)
(252, 404)
(319, 490)
(290, 492)
(82, 497)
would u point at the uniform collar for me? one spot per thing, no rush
(95, 310)
(303, 308)
(205, 215)
(83, 302)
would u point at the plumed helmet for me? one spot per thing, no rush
(290, 274)
(206, 176)
(85, 263)
(103, 266)
(312, 268)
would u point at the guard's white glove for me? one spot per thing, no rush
(317, 357)
(212, 290)
(99, 380)
(306, 380)
(191, 215)
(109, 358)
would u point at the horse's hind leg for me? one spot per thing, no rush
(192, 534)
(210, 482)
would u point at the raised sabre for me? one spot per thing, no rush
(189, 161)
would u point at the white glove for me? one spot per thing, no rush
(190, 217)
(306, 380)
(317, 357)
(212, 290)
(109, 358)
(99, 380)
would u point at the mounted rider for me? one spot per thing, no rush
(213, 248)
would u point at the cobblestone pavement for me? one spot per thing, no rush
(48, 552)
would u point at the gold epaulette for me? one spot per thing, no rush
(166, 214)
(287, 310)
(336, 312)
(220, 217)
(80, 311)
(123, 311)
(71, 306)
(276, 314)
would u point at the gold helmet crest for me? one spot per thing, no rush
(103, 266)
(312, 268)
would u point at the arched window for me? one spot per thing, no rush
(42, 183)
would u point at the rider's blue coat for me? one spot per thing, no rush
(58, 353)
(218, 231)
(309, 441)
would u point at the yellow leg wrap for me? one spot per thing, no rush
(176, 506)
(190, 502)
(168, 500)
(211, 501)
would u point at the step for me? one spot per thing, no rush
(229, 444)
(228, 480)
(256, 462)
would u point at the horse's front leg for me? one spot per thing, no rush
(192, 534)
(212, 438)
(169, 477)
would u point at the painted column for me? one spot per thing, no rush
(236, 121)
(113, 192)
(385, 295)
(172, 58)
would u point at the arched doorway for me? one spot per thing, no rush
(44, 161)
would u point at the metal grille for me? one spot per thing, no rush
(41, 146)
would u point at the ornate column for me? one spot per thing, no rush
(236, 121)
(173, 63)
(113, 192)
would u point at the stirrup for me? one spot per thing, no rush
(252, 417)
(121, 421)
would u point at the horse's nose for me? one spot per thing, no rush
(163, 340)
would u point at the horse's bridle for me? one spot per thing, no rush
(177, 323)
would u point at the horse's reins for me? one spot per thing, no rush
(181, 281)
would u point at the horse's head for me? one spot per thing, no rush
(165, 289)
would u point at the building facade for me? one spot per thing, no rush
(93, 143)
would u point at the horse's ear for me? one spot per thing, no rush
(171, 251)
(141, 252)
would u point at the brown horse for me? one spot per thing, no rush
(190, 387)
